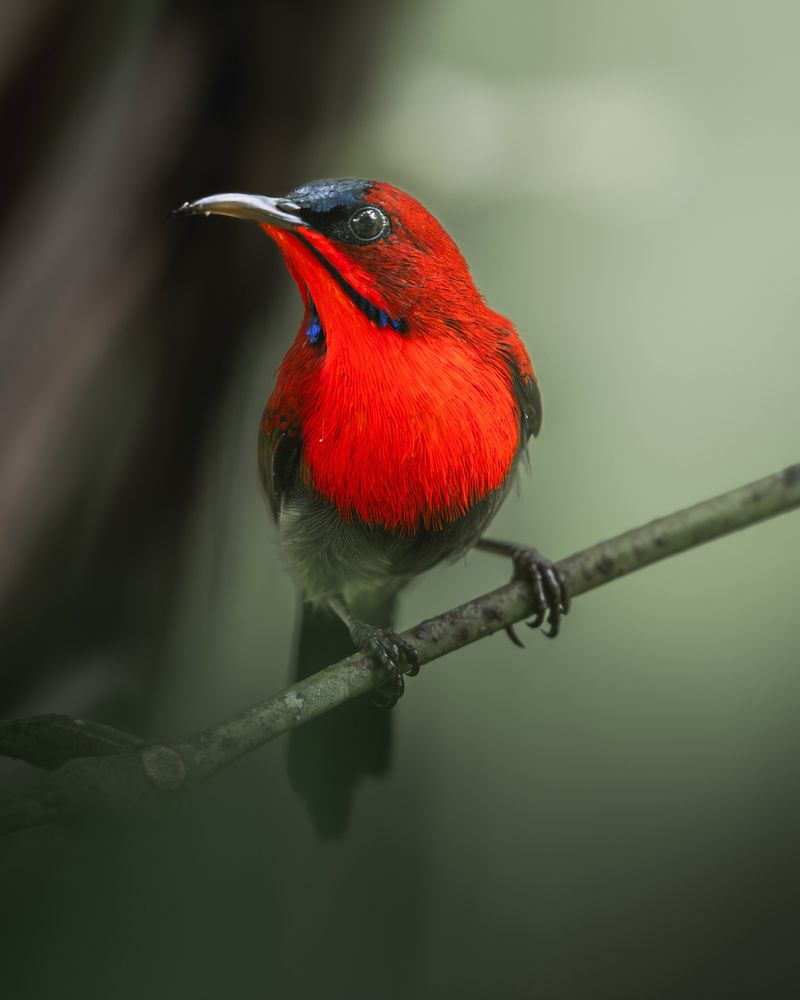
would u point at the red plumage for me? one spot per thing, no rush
(401, 429)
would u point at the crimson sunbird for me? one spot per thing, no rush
(398, 419)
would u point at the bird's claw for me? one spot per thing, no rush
(549, 586)
(392, 653)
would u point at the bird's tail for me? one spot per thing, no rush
(329, 755)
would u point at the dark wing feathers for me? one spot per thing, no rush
(529, 400)
(279, 457)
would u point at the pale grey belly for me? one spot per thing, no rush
(329, 556)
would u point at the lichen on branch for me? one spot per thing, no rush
(99, 769)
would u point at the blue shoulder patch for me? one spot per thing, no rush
(314, 328)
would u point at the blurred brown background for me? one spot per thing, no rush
(120, 328)
(612, 815)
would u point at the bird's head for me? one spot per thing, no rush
(363, 250)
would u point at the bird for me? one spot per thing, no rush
(398, 419)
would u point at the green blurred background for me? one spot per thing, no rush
(610, 815)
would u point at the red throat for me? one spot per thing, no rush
(425, 422)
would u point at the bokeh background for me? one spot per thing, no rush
(611, 815)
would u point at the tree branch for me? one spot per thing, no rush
(116, 773)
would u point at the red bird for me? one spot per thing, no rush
(397, 421)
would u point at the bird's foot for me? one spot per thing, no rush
(549, 586)
(392, 653)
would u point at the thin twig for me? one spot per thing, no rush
(135, 779)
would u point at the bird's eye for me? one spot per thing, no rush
(368, 224)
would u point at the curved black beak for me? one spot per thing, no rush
(278, 212)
